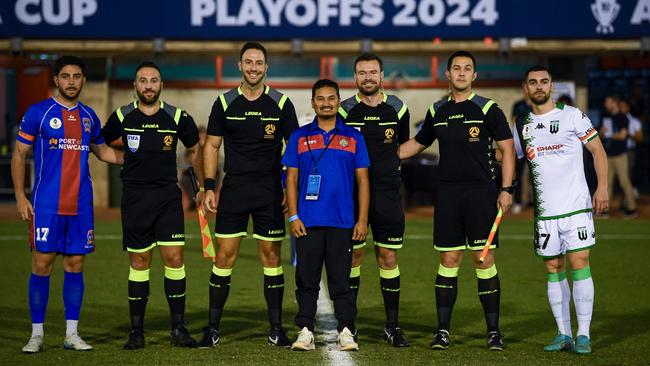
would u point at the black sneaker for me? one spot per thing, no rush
(210, 338)
(495, 341)
(631, 214)
(441, 340)
(181, 337)
(136, 339)
(395, 337)
(278, 337)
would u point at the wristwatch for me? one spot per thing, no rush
(510, 189)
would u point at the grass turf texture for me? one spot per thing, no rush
(620, 330)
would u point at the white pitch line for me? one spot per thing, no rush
(410, 237)
(327, 324)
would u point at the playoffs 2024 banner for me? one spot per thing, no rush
(323, 19)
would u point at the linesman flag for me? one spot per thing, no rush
(206, 237)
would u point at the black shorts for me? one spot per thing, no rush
(463, 216)
(386, 218)
(152, 216)
(257, 196)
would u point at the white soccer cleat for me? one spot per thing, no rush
(74, 342)
(305, 341)
(34, 345)
(346, 341)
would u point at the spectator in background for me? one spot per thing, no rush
(635, 136)
(565, 99)
(615, 132)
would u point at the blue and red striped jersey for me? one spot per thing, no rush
(61, 137)
(338, 153)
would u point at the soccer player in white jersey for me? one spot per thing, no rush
(551, 138)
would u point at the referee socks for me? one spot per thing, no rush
(355, 281)
(273, 293)
(138, 296)
(489, 292)
(446, 293)
(389, 281)
(175, 293)
(219, 290)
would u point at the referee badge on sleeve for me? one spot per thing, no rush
(133, 141)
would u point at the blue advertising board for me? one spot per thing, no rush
(324, 19)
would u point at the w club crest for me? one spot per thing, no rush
(582, 233)
(605, 12)
(555, 126)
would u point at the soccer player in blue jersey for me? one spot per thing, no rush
(62, 132)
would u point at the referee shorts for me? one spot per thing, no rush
(386, 218)
(256, 196)
(463, 216)
(151, 217)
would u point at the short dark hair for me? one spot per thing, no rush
(324, 83)
(66, 60)
(252, 46)
(368, 57)
(460, 54)
(537, 68)
(144, 64)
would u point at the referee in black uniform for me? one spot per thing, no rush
(465, 125)
(384, 123)
(152, 213)
(252, 121)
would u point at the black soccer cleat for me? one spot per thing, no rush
(136, 340)
(495, 341)
(441, 340)
(181, 337)
(210, 338)
(395, 337)
(278, 337)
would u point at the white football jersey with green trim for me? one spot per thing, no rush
(552, 144)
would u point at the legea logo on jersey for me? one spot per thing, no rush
(133, 141)
(55, 123)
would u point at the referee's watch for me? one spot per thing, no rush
(509, 189)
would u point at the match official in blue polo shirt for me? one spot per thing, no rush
(323, 159)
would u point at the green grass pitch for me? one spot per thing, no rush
(620, 329)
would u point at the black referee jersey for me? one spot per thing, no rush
(252, 130)
(150, 142)
(465, 132)
(383, 127)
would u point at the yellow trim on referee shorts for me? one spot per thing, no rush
(448, 272)
(487, 273)
(221, 272)
(480, 247)
(260, 237)
(359, 246)
(175, 273)
(143, 250)
(137, 275)
(388, 246)
(228, 236)
(171, 243)
(273, 271)
(389, 273)
(355, 271)
(445, 249)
